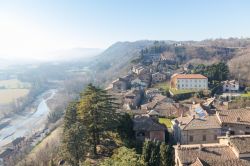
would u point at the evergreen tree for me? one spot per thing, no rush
(73, 144)
(164, 155)
(125, 129)
(70, 116)
(97, 112)
(123, 157)
(146, 151)
(155, 154)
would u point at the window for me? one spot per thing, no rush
(247, 127)
(191, 138)
(215, 137)
(204, 138)
(140, 134)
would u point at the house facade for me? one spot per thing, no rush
(189, 81)
(132, 99)
(138, 69)
(195, 130)
(120, 84)
(231, 86)
(237, 121)
(138, 84)
(158, 77)
(146, 127)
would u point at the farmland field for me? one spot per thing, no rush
(13, 84)
(9, 95)
(12, 89)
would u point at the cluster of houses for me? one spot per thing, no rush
(206, 132)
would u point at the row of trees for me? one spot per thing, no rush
(153, 154)
(215, 72)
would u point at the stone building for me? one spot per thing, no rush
(237, 121)
(146, 127)
(120, 84)
(158, 77)
(196, 130)
(132, 99)
(230, 151)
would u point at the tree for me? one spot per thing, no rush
(74, 144)
(155, 154)
(146, 151)
(125, 129)
(70, 116)
(124, 157)
(166, 155)
(74, 137)
(97, 113)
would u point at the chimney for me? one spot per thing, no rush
(193, 116)
(238, 119)
(180, 123)
(178, 145)
(200, 147)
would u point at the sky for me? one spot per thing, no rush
(30, 28)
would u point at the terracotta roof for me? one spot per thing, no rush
(198, 162)
(189, 76)
(153, 112)
(236, 116)
(149, 105)
(145, 123)
(158, 97)
(167, 109)
(213, 154)
(241, 143)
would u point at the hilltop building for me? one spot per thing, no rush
(189, 81)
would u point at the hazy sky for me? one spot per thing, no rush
(30, 28)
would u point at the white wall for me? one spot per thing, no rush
(192, 83)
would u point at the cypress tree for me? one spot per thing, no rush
(164, 155)
(155, 154)
(146, 151)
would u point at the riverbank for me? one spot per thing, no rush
(30, 125)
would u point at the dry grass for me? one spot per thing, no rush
(14, 84)
(9, 95)
(44, 151)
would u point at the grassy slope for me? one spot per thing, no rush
(166, 122)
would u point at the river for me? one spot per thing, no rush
(28, 123)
